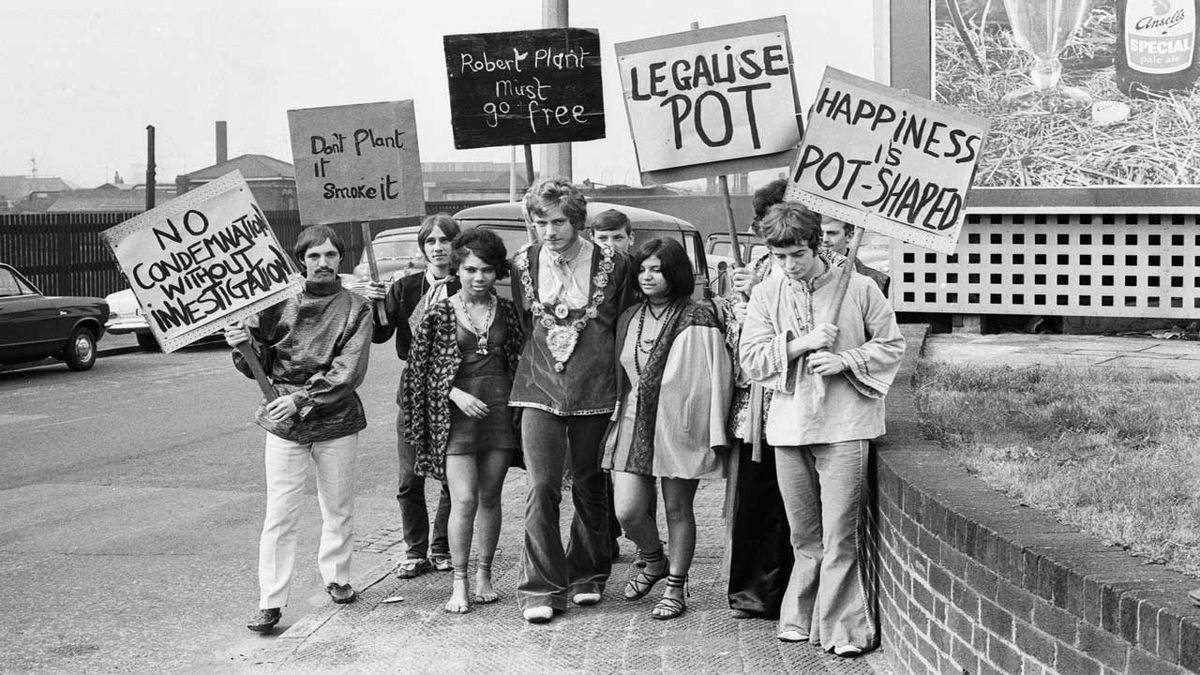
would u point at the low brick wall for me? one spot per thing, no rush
(972, 582)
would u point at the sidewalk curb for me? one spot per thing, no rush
(117, 351)
(286, 644)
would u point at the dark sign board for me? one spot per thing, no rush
(525, 87)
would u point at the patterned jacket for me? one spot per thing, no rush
(433, 362)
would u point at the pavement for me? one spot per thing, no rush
(1180, 357)
(414, 634)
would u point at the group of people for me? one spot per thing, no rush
(603, 364)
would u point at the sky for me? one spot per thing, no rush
(83, 79)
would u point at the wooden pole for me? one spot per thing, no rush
(369, 247)
(723, 182)
(529, 183)
(847, 269)
(260, 375)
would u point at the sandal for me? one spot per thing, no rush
(668, 607)
(640, 584)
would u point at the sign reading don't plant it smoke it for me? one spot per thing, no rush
(525, 87)
(357, 163)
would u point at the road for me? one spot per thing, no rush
(132, 496)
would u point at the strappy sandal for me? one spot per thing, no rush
(641, 583)
(670, 608)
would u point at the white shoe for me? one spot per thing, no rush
(538, 614)
(847, 650)
(585, 599)
(793, 636)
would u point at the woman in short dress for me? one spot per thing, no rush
(675, 383)
(455, 404)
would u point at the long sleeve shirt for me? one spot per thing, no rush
(806, 408)
(314, 347)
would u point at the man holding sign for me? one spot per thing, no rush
(314, 347)
(828, 378)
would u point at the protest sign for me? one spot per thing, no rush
(525, 87)
(357, 163)
(888, 161)
(711, 101)
(203, 260)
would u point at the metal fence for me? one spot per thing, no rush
(63, 254)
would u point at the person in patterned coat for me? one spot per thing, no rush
(454, 399)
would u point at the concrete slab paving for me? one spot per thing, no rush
(617, 636)
(1181, 357)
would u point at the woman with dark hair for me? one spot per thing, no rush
(675, 385)
(465, 353)
(407, 300)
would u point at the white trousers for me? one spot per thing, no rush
(286, 468)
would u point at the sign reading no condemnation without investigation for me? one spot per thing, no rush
(882, 158)
(357, 163)
(721, 100)
(202, 260)
(525, 87)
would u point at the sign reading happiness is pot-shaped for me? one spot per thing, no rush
(714, 96)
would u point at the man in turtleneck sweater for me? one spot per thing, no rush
(314, 347)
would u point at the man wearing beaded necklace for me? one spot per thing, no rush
(569, 294)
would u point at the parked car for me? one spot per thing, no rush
(507, 221)
(125, 317)
(34, 326)
(396, 254)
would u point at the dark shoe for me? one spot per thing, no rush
(412, 568)
(341, 593)
(441, 563)
(744, 614)
(264, 620)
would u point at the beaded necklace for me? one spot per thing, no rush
(561, 338)
(481, 334)
(645, 346)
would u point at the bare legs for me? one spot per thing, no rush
(475, 484)
(633, 493)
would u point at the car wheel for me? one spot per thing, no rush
(80, 352)
(148, 342)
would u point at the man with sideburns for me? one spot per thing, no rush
(314, 348)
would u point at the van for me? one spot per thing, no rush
(507, 221)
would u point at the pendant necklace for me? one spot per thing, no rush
(481, 335)
(646, 345)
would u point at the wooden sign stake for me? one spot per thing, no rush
(369, 247)
(847, 269)
(260, 375)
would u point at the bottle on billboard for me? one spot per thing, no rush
(1156, 46)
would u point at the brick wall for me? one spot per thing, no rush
(972, 582)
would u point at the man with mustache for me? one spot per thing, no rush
(314, 347)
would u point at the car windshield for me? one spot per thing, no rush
(397, 250)
(515, 238)
(10, 285)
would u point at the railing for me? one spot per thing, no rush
(63, 254)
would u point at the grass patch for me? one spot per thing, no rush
(1112, 452)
